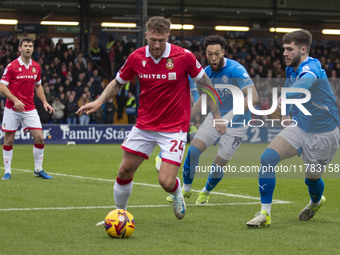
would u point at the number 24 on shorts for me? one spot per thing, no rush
(175, 143)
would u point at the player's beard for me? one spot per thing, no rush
(295, 61)
(219, 66)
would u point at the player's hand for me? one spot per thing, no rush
(286, 118)
(89, 108)
(221, 128)
(48, 108)
(19, 106)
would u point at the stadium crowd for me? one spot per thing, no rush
(71, 78)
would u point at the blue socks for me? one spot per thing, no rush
(315, 189)
(214, 178)
(269, 159)
(190, 163)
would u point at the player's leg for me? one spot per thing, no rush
(172, 147)
(138, 146)
(31, 122)
(123, 185)
(196, 148)
(215, 176)
(315, 189)
(8, 154)
(318, 151)
(10, 123)
(279, 149)
(38, 153)
(205, 136)
(228, 145)
(171, 183)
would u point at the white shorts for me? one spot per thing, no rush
(314, 148)
(229, 142)
(13, 119)
(142, 142)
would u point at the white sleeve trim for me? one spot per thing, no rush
(120, 80)
(199, 76)
(247, 86)
(4, 82)
(38, 82)
(309, 72)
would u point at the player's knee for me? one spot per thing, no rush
(39, 139)
(270, 157)
(167, 184)
(124, 172)
(9, 139)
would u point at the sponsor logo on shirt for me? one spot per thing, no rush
(25, 77)
(172, 76)
(169, 63)
(152, 76)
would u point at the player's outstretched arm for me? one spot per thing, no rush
(18, 105)
(41, 95)
(202, 83)
(110, 91)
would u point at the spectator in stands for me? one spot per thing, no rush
(131, 108)
(84, 119)
(110, 110)
(49, 96)
(59, 107)
(98, 116)
(81, 60)
(128, 46)
(112, 60)
(110, 44)
(95, 53)
(71, 108)
(97, 79)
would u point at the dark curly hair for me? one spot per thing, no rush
(215, 39)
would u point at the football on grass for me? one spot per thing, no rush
(119, 223)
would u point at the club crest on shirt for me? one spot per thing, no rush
(33, 70)
(224, 79)
(169, 63)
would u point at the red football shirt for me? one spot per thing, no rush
(20, 80)
(164, 87)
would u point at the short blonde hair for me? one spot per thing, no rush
(158, 24)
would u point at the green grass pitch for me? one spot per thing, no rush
(58, 216)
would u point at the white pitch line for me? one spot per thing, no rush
(112, 207)
(153, 185)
